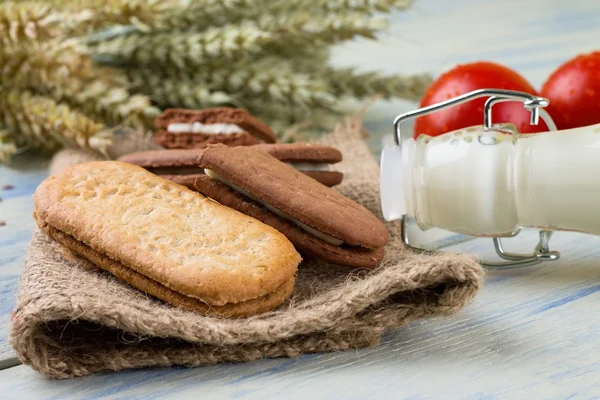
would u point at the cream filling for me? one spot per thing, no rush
(208, 129)
(323, 236)
(306, 166)
(176, 170)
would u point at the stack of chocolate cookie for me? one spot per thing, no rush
(182, 166)
(313, 160)
(187, 129)
(184, 132)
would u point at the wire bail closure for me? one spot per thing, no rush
(535, 105)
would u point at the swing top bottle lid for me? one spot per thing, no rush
(489, 181)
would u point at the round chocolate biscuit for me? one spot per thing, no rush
(352, 256)
(178, 140)
(178, 165)
(163, 158)
(296, 194)
(302, 152)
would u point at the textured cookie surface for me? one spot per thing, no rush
(166, 232)
(296, 194)
(305, 243)
(327, 178)
(301, 152)
(149, 286)
(221, 115)
(163, 158)
(307, 153)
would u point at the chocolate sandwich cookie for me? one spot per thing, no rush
(318, 220)
(166, 240)
(313, 160)
(185, 129)
(177, 165)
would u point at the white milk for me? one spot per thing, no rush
(491, 183)
(557, 183)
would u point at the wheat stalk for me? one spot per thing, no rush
(271, 79)
(283, 116)
(104, 13)
(27, 22)
(363, 6)
(184, 49)
(42, 124)
(347, 81)
(334, 28)
(185, 14)
(176, 92)
(64, 71)
(298, 32)
(320, 26)
(44, 65)
(163, 15)
(35, 21)
(109, 103)
(296, 26)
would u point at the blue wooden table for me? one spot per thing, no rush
(531, 333)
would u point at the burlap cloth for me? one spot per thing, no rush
(71, 320)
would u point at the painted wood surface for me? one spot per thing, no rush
(530, 333)
(16, 187)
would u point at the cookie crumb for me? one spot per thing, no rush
(8, 187)
(2, 223)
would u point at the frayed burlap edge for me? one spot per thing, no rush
(71, 320)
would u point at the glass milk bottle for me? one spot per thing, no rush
(492, 182)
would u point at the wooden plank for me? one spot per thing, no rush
(16, 210)
(531, 332)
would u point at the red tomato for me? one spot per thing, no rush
(574, 92)
(466, 78)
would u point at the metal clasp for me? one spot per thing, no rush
(535, 105)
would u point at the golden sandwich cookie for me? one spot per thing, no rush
(166, 240)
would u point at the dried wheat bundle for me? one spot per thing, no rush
(39, 123)
(64, 71)
(93, 64)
